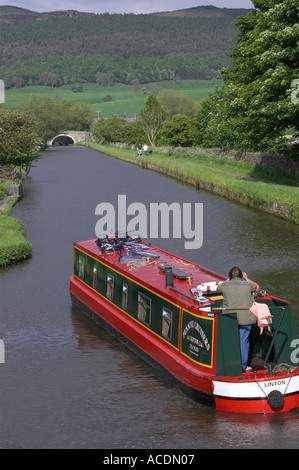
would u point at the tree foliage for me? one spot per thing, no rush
(177, 132)
(254, 108)
(152, 118)
(18, 139)
(53, 117)
(118, 130)
(57, 49)
(176, 103)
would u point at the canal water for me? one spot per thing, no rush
(68, 384)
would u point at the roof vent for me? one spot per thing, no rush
(168, 276)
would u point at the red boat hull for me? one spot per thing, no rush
(143, 338)
(239, 394)
(256, 406)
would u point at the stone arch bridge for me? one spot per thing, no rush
(76, 136)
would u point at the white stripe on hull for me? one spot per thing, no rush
(256, 389)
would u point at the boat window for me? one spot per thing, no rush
(110, 285)
(124, 299)
(81, 267)
(94, 276)
(144, 308)
(166, 323)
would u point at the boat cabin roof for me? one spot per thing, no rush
(191, 282)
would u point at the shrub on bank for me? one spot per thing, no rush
(13, 246)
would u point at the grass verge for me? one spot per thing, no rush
(13, 244)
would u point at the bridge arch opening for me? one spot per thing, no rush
(62, 139)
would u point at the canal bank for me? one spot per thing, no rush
(13, 243)
(236, 184)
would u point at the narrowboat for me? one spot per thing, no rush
(168, 310)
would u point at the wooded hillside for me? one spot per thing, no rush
(65, 47)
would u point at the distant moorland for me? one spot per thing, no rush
(65, 47)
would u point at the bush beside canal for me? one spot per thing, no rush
(13, 244)
(265, 188)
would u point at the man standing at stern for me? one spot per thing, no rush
(238, 293)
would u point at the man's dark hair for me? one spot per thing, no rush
(235, 272)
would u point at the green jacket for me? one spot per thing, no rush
(237, 293)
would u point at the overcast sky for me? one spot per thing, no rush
(122, 6)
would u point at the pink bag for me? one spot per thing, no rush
(262, 313)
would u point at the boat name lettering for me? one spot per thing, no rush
(194, 341)
(194, 325)
(193, 349)
(273, 384)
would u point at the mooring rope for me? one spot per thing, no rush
(139, 264)
(284, 367)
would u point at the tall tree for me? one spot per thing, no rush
(152, 118)
(256, 107)
(265, 65)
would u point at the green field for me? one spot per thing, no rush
(126, 101)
